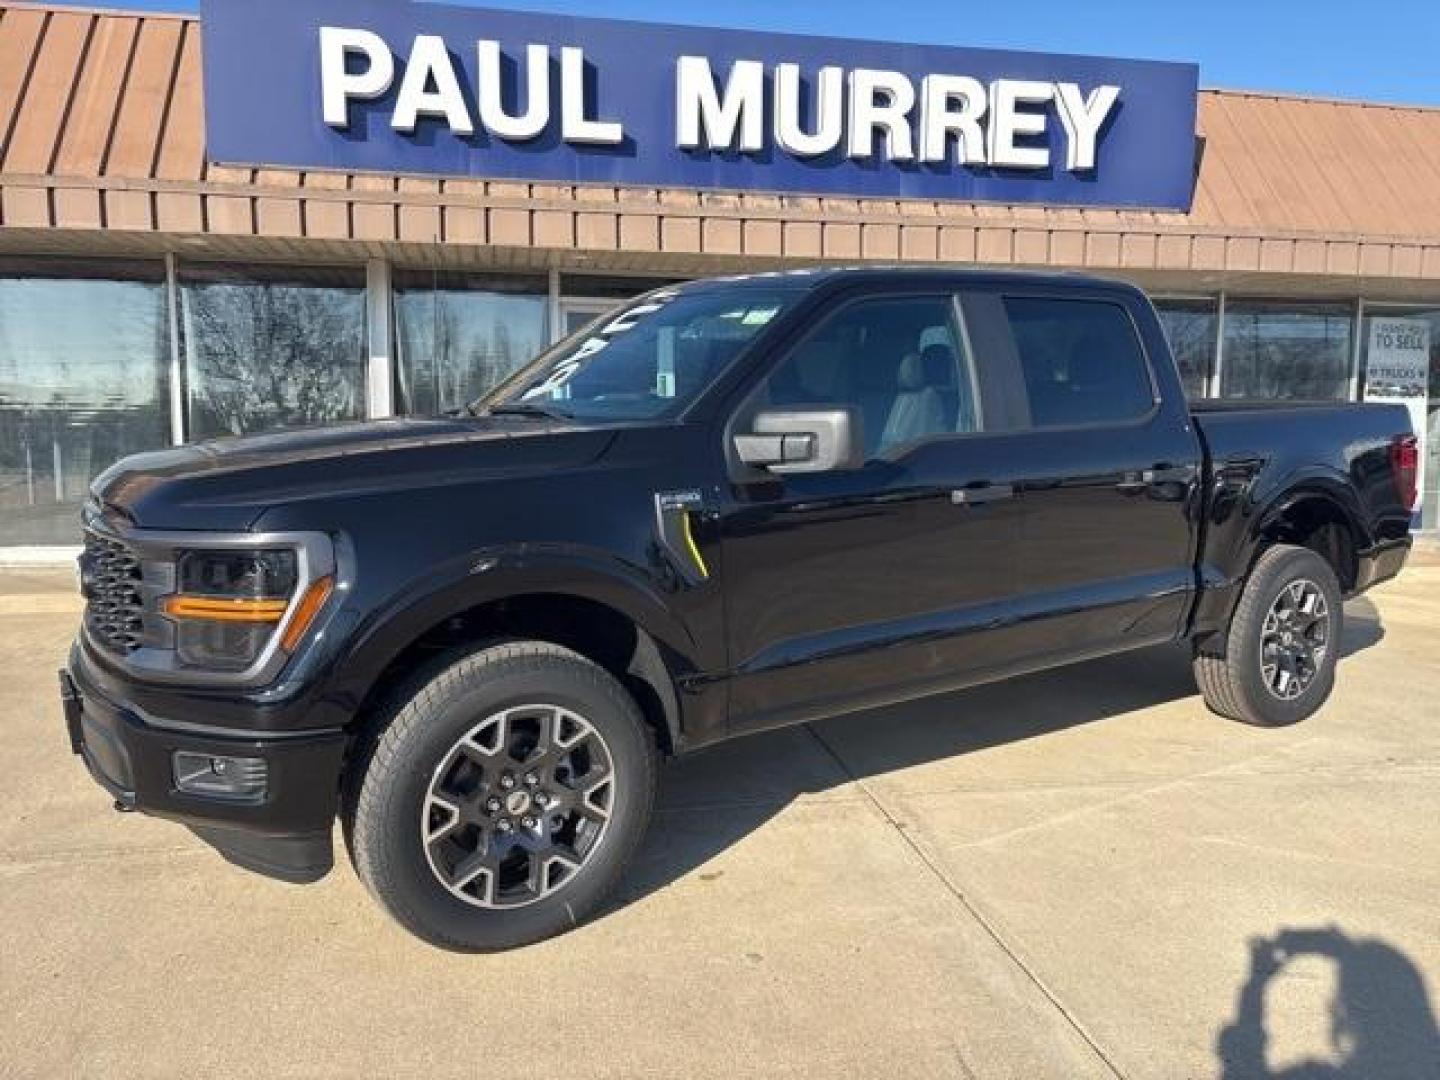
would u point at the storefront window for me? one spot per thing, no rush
(84, 381)
(1192, 327)
(1287, 351)
(459, 335)
(272, 347)
(1395, 343)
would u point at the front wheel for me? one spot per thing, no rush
(1276, 664)
(503, 800)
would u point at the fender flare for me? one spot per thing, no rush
(488, 576)
(1305, 485)
(1229, 568)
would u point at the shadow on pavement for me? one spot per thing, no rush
(1363, 629)
(1381, 1024)
(717, 797)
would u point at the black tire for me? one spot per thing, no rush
(1235, 680)
(396, 793)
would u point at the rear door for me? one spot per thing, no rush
(1106, 462)
(874, 584)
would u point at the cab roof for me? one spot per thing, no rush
(811, 280)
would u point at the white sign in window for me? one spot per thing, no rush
(1398, 372)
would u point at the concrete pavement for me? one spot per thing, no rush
(1078, 874)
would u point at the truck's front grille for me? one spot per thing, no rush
(114, 612)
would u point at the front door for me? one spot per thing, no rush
(872, 584)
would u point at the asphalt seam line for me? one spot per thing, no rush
(955, 891)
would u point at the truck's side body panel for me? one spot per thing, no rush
(1267, 459)
(1088, 548)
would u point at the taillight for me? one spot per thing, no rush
(1405, 461)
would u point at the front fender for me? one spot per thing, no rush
(488, 575)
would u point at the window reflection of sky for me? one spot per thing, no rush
(84, 381)
(88, 344)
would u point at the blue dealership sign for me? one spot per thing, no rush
(397, 87)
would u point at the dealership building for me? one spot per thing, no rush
(258, 218)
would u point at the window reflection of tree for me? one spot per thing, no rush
(458, 338)
(467, 359)
(267, 355)
(1287, 355)
(1191, 328)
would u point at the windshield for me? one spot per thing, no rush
(643, 362)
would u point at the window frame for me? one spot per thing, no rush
(1010, 369)
(834, 307)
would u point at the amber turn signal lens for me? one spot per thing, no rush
(310, 606)
(223, 609)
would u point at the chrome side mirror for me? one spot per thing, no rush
(786, 441)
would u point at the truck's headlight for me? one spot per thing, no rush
(230, 604)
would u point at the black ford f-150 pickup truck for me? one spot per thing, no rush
(732, 505)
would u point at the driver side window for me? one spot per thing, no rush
(899, 361)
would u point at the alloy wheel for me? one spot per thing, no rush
(1295, 639)
(517, 806)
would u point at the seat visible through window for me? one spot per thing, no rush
(1081, 360)
(895, 360)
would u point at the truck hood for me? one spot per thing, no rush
(227, 484)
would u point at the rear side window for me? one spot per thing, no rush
(1081, 361)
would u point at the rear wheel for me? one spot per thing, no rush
(504, 799)
(1276, 663)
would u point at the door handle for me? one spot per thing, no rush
(1136, 482)
(1133, 484)
(978, 496)
(1178, 474)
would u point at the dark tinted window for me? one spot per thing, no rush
(1081, 361)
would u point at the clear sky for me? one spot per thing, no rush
(1386, 50)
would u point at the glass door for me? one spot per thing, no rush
(576, 313)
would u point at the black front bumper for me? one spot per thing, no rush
(284, 833)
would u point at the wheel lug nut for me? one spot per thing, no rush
(492, 804)
(528, 822)
(531, 780)
(507, 781)
(541, 799)
(504, 825)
